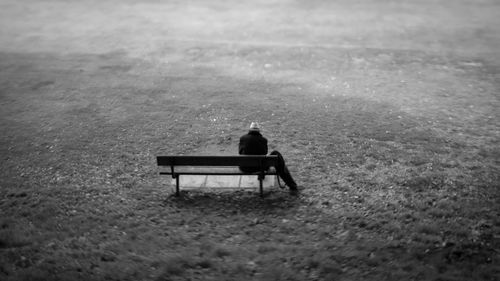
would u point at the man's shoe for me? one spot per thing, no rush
(293, 189)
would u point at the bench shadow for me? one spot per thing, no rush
(235, 202)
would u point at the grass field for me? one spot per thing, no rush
(387, 113)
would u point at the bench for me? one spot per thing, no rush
(217, 165)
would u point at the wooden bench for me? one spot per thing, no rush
(204, 165)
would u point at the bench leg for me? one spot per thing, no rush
(177, 192)
(261, 188)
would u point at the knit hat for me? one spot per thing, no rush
(255, 127)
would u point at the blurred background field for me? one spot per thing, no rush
(386, 112)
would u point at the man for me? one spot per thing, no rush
(254, 143)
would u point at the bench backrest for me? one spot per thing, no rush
(237, 160)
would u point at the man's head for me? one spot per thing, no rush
(254, 127)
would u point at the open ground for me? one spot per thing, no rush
(387, 113)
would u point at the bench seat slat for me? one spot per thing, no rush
(184, 170)
(218, 173)
(240, 160)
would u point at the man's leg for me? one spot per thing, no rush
(283, 171)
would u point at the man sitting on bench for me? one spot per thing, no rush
(254, 143)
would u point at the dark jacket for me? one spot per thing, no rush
(252, 143)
